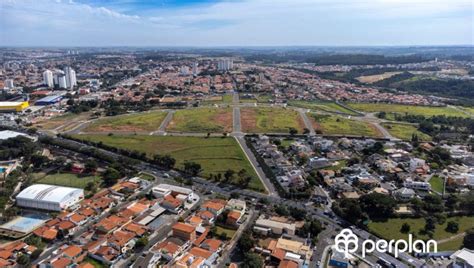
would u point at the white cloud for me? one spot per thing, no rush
(249, 22)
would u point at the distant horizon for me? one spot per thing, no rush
(235, 23)
(243, 46)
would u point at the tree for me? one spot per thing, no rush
(468, 241)
(377, 205)
(252, 260)
(141, 242)
(452, 227)
(293, 131)
(430, 225)
(38, 160)
(35, 254)
(192, 168)
(281, 210)
(229, 175)
(246, 241)
(110, 176)
(405, 228)
(90, 166)
(23, 259)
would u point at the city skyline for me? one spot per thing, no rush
(236, 23)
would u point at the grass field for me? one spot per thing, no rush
(229, 232)
(147, 121)
(215, 155)
(376, 77)
(405, 131)
(339, 125)
(427, 111)
(437, 184)
(68, 179)
(390, 229)
(270, 120)
(201, 120)
(227, 98)
(451, 245)
(321, 106)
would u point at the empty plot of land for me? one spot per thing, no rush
(390, 229)
(270, 120)
(62, 120)
(68, 180)
(427, 111)
(201, 120)
(339, 125)
(138, 122)
(215, 155)
(405, 131)
(376, 77)
(321, 106)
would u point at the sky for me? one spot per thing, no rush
(236, 22)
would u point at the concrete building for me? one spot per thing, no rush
(70, 77)
(163, 190)
(48, 100)
(48, 78)
(59, 79)
(463, 258)
(267, 226)
(9, 84)
(13, 106)
(49, 197)
(225, 65)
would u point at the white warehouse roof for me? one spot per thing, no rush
(48, 193)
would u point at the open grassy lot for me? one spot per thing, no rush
(215, 155)
(68, 179)
(339, 125)
(147, 121)
(321, 106)
(437, 184)
(405, 131)
(62, 120)
(451, 245)
(201, 120)
(229, 232)
(427, 111)
(390, 229)
(376, 77)
(227, 98)
(270, 120)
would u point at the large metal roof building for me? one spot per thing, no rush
(49, 197)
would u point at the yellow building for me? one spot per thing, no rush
(13, 106)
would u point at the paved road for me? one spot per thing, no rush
(253, 161)
(226, 256)
(162, 129)
(307, 122)
(236, 121)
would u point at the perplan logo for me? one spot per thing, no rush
(347, 242)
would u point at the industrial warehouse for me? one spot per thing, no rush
(49, 197)
(13, 106)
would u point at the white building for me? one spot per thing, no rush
(195, 68)
(225, 65)
(70, 77)
(463, 258)
(48, 78)
(49, 197)
(416, 163)
(417, 185)
(163, 190)
(9, 84)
